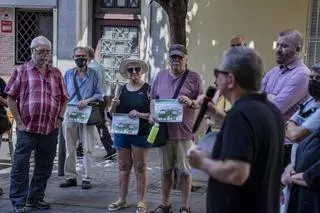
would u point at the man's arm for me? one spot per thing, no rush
(296, 133)
(228, 171)
(3, 102)
(13, 106)
(63, 109)
(312, 176)
(291, 93)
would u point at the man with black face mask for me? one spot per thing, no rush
(303, 123)
(87, 82)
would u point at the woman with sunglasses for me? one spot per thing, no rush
(302, 124)
(132, 150)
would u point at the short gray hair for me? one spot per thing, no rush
(297, 37)
(80, 48)
(40, 40)
(246, 66)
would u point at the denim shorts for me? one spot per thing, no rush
(127, 141)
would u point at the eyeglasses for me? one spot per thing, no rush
(217, 71)
(175, 57)
(315, 77)
(43, 51)
(235, 45)
(136, 69)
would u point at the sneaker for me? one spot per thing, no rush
(40, 204)
(18, 209)
(86, 185)
(69, 183)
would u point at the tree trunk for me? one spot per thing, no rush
(177, 13)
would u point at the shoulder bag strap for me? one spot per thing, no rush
(176, 93)
(76, 88)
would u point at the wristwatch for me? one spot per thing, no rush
(60, 118)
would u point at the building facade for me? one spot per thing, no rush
(118, 28)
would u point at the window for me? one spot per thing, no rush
(313, 48)
(120, 3)
(30, 24)
(117, 43)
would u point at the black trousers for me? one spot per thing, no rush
(104, 133)
(287, 155)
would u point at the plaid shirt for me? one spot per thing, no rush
(39, 97)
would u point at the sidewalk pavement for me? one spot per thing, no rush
(105, 188)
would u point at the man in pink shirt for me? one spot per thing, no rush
(180, 137)
(287, 84)
(37, 98)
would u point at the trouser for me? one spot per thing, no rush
(73, 132)
(44, 147)
(61, 152)
(287, 155)
(103, 131)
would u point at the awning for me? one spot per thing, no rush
(28, 4)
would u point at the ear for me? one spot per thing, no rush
(231, 81)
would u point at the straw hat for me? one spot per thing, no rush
(132, 59)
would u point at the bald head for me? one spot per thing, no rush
(237, 41)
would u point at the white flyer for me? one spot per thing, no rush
(168, 110)
(122, 124)
(74, 114)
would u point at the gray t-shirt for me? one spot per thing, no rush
(164, 87)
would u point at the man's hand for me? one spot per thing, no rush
(196, 155)
(286, 176)
(297, 178)
(82, 104)
(133, 114)
(152, 119)
(271, 97)
(21, 126)
(57, 123)
(115, 102)
(185, 100)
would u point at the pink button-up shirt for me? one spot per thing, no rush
(39, 96)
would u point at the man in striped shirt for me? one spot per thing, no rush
(37, 98)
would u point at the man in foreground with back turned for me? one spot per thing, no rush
(244, 166)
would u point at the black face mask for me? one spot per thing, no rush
(80, 62)
(314, 88)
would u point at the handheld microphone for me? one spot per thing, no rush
(209, 95)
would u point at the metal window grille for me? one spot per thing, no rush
(28, 26)
(117, 43)
(313, 51)
(121, 3)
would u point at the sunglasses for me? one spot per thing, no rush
(217, 71)
(315, 77)
(136, 69)
(175, 57)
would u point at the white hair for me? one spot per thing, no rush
(40, 40)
